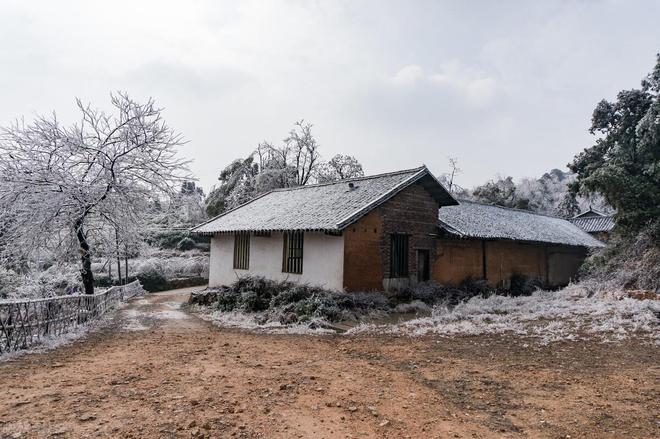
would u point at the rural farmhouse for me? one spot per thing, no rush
(387, 231)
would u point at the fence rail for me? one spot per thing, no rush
(25, 323)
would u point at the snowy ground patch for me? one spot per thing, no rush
(577, 312)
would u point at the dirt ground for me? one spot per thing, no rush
(168, 374)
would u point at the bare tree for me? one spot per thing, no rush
(61, 187)
(302, 146)
(453, 165)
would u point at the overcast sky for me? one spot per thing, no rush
(506, 87)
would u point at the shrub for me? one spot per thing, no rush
(252, 301)
(524, 285)
(227, 300)
(294, 294)
(151, 281)
(185, 244)
(54, 281)
(288, 302)
(627, 263)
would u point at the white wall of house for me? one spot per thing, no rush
(323, 260)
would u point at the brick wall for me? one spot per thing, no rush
(363, 268)
(461, 259)
(367, 244)
(457, 259)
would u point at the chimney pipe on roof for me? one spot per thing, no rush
(351, 185)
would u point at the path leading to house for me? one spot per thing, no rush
(161, 372)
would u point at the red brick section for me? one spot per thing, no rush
(363, 269)
(459, 259)
(414, 212)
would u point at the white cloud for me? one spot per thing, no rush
(408, 75)
(470, 85)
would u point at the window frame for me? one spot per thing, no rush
(293, 244)
(399, 255)
(241, 251)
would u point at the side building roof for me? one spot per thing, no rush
(326, 207)
(594, 224)
(485, 221)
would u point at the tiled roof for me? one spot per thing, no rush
(593, 224)
(589, 213)
(322, 207)
(484, 221)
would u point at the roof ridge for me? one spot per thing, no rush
(344, 180)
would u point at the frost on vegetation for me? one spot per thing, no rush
(576, 312)
(173, 266)
(54, 281)
(258, 303)
(579, 311)
(260, 322)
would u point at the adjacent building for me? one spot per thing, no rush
(388, 231)
(595, 223)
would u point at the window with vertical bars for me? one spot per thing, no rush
(242, 251)
(292, 260)
(399, 256)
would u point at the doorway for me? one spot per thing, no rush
(423, 266)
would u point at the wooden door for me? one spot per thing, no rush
(423, 265)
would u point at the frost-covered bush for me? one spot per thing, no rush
(287, 302)
(252, 301)
(431, 293)
(185, 244)
(627, 263)
(10, 281)
(227, 300)
(579, 310)
(53, 281)
(294, 294)
(158, 269)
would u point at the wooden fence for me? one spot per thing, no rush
(24, 323)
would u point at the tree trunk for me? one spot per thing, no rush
(85, 259)
(118, 258)
(119, 270)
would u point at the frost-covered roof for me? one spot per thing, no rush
(589, 213)
(593, 224)
(322, 207)
(484, 221)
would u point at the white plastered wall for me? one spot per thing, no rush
(323, 260)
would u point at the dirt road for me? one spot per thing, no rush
(160, 372)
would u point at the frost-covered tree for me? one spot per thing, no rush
(338, 168)
(501, 192)
(233, 180)
(170, 219)
(548, 194)
(61, 187)
(624, 163)
(296, 162)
